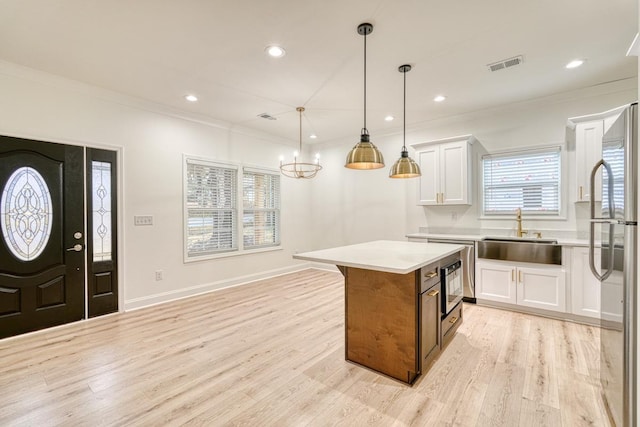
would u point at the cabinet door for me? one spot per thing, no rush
(429, 187)
(542, 287)
(495, 281)
(588, 152)
(429, 326)
(454, 173)
(585, 288)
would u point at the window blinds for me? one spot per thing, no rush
(613, 154)
(528, 180)
(261, 209)
(211, 208)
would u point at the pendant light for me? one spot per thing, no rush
(405, 166)
(298, 169)
(364, 155)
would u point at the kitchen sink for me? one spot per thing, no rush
(539, 251)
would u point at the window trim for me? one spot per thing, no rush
(562, 193)
(240, 168)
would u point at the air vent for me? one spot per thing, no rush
(506, 63)
(267, 116)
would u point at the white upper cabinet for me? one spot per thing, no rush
(447, 168)
(588, 152)
(589, 132)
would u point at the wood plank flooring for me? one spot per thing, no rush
(271, 353)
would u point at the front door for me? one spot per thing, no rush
(42, 254)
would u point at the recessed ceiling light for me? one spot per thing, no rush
(439, 98)
(275, 51)
(314, 136)
(389, 118)
(575, 63)
(191, 98)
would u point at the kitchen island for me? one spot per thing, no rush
(392, 303)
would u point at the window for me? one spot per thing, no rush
(529, 180)
(613, 154)
(261, 214)
(214, 204)
(211, 208)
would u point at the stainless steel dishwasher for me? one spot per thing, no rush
(468, 258)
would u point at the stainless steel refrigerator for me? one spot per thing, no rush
(613, 234)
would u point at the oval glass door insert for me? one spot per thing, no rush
(26, 213)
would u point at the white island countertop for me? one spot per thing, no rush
(383, 255)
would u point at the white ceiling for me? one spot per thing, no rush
(160, 50)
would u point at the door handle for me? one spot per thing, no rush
(592, 225)
(433, 293)
(580, 198)
(76, 248)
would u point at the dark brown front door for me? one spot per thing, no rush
(42, 235)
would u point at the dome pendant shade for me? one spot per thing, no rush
(364, 155)
(405, 166)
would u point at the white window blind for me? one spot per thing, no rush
(261, 209)
(613, 154)
(529, 180)
(211, 208)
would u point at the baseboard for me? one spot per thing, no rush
(146, 301)
(570, 317)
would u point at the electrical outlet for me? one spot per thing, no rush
(143, 220)
(158, 275)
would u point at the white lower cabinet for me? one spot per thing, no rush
(531, 285)
(585, 288)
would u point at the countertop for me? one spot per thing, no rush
(383, 255)
(561, 240)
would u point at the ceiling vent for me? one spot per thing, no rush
(506, 63)
(267, 116)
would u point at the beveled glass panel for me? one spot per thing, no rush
(26, 213)
(101, 210)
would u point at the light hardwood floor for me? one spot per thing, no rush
(272, 353)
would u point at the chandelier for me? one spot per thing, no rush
(298, 169)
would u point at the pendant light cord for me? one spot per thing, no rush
(365, 84)
(404, 113)
(300, 132)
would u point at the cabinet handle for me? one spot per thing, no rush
(581, 192)
(433, 293)
(431, 274)
(442, 198)
(453, 320)
(520, 276)
(513, 275)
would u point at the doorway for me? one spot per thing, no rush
(58, 234)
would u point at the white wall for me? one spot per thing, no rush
(354, 206)
(39, 106)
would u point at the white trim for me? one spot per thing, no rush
(573, 121)
(163, 297)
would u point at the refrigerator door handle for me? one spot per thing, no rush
(594, 220)
(592, 263)
(592, 189)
